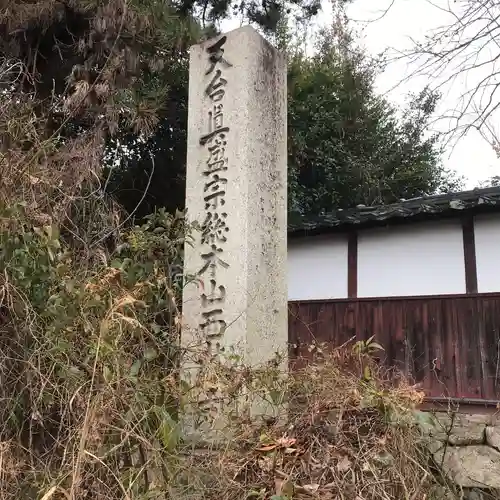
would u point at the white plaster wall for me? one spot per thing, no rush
(411, 259)
(317, 267)
(487, 238)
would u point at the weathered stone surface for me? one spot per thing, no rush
(434, 445)
(236, 189)
(480, 494)
(237, 124)
(425, 420)
(459, 419)
(475, 494)
(460, 429)
(471, 466)
(442, 493)
(493, 437)
(465, 436)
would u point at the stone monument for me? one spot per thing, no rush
(237, 192)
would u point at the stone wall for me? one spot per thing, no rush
(467, 449)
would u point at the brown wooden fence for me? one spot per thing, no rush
(448, 344)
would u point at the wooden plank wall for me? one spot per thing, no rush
(448, 344)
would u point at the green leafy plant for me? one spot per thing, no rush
(92, 352)
(365, 349)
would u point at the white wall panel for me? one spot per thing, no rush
(411, 259)
(317, 267)
(487, 238)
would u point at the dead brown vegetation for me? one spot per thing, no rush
(344, 438)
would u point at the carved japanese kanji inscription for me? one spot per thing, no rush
(214, 227)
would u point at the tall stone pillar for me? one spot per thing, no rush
(237, 191)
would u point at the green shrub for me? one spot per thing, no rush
(89, 382)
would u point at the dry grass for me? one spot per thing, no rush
(344, 438)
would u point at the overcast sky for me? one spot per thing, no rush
(472, 156)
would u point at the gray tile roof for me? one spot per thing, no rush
(444, 205)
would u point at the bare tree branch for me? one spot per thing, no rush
(384, 12)
(461, 57)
